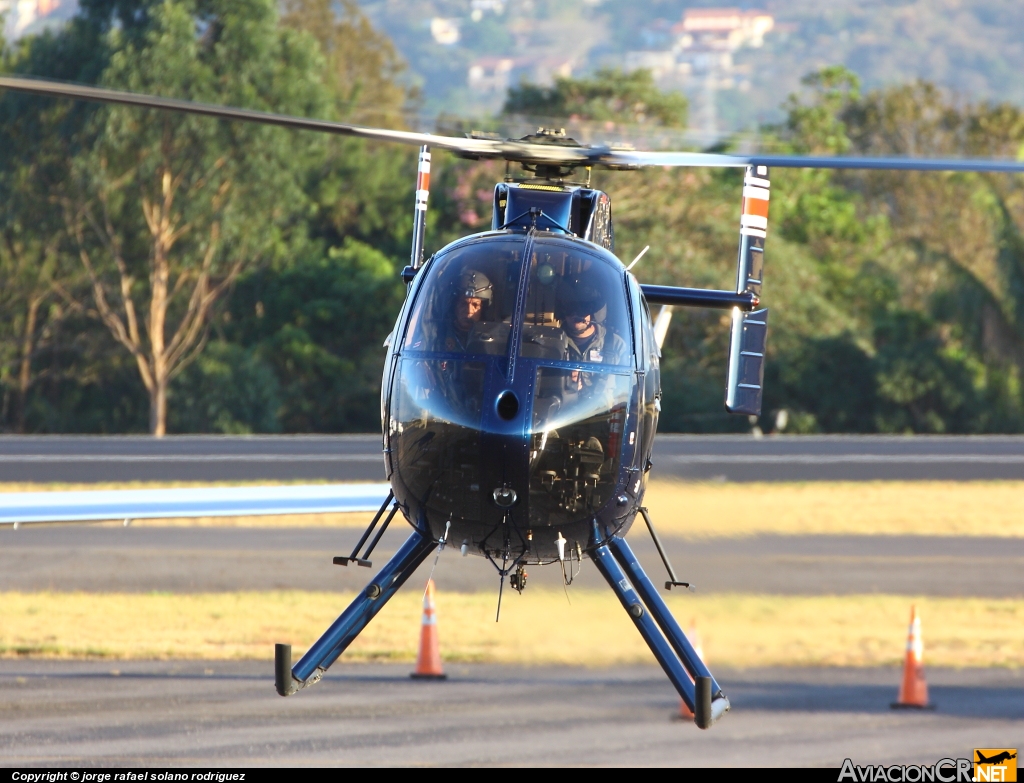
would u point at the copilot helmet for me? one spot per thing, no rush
(474, 285)
(577, 296)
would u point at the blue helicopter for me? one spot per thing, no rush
(521, 386)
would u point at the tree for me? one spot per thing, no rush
(28, 282)
(364, 69)
(928, 266)
(34, 267)
(167, 210)
(610, 96)
(320, 323)
(968, 228)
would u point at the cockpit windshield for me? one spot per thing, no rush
(565, 307)
(575, 441)
(470, 299)
(575, 307)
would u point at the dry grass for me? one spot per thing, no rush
(934, 508)
(539, 627)
(701, 510)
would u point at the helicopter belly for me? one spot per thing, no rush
(512, 487)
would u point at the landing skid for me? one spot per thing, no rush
(615, 560)
(312, 665)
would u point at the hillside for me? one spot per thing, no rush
(465, 53)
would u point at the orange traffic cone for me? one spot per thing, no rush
(428, 662)
(914, 688)
(694, 636)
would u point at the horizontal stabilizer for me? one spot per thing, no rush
(746, 362)
(698, 297)
(126, 504)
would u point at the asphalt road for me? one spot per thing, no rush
(199, 559)
(156, 714)
(357, 458)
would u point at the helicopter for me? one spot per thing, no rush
(521, 386)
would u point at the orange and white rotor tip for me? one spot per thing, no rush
(756, 190)
(423, 181)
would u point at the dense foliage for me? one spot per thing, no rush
(260, 266)
(608, 96)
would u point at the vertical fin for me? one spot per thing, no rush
(743, 391)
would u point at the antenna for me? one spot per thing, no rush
(638, 257)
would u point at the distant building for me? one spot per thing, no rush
(659, 63)
(497, 74)
(480, 7)
(696, 55)
(22, 13)
(547, 69)
(444, 31)
(701, 44)
(490, 74)
(723, 28)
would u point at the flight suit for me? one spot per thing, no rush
(459, 382)
(605, 348)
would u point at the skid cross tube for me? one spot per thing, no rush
(353, 620)
(380, 533)
(673, 580)
(657, 606)
(354, 557)
(605, 562)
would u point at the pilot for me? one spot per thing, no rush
(588, 340)
(473, 294)
(460, 383)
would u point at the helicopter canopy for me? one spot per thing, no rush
(514, 372)
(467, 303)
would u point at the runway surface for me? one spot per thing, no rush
(226, 713)
(200, 559)
(358, 458)
(174, 714)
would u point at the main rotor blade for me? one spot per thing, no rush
(629, 158)
(103, 95)
(511, 150)
(517, 151)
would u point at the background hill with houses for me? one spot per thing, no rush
(736, 64)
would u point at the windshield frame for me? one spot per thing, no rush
(426, 279)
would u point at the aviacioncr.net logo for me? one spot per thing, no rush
(942, 771)
(995, 765)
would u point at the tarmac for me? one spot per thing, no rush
(170, 714)
(214, 559)
(195, 713)
(358, 458)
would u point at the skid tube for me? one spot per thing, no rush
(311, 667)
(651, 615)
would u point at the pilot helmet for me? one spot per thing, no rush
(577, 296)
(472, 284)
